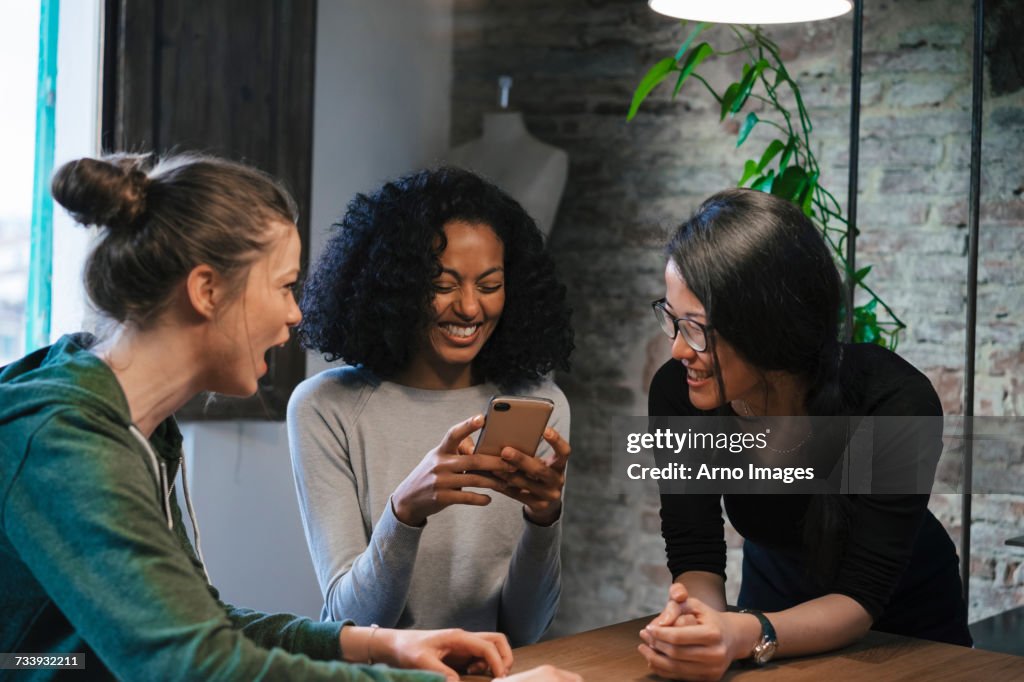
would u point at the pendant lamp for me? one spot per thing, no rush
(752, 11)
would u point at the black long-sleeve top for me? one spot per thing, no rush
(894, 552)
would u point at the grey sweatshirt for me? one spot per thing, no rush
(353, 440)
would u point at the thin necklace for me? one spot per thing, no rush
(747, 412)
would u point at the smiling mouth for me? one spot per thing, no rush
(697, 375)
(460, 331)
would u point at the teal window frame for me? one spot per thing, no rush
(38, 304)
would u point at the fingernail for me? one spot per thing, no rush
(506, 453)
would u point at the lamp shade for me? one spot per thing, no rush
(752, 11)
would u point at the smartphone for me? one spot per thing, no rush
(514, 421)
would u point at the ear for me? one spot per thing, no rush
(203, 285)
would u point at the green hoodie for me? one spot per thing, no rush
(88, 563)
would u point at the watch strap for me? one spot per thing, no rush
(769, 641)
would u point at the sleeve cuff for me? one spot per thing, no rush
(535, 534)
(394, 528)
(324, 640)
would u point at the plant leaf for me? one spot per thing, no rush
(697, 55)
(655, 75)
(866, 330)
(686, 44)
(791, 183)
(788, 152)
(781, 75)
(806, 198)
(750, 75)
(748, 125)
(728, 97)
(807, 205)
(764, 183)
(859, 276)
(865, 324)
(749, 171)
(773, 149)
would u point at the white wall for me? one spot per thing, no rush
(383, 86)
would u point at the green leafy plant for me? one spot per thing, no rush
(786, 167)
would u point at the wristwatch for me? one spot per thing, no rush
(766, 646)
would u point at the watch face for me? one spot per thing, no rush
(764, 651)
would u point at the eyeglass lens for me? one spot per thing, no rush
(693, 334)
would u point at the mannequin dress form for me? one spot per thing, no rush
(532, 172)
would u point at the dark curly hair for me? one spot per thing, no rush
(368, 298)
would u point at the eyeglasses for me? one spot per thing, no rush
(694, 333)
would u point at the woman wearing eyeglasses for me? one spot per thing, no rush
(752, 305)
(438, 293)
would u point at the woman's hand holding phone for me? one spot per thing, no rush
(438, 480)
(537, 482)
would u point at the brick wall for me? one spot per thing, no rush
(576, 63)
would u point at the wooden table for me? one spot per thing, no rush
(609, 655)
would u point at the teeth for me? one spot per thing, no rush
(459, 330)
(695, 375)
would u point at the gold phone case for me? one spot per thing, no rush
(514, 421)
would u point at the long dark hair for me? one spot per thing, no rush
(769, 286)
(367, 299)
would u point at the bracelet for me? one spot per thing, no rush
(373, 630)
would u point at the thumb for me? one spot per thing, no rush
(466, 447)
(451, 441)
(693, 606)
(434, 664)
(678, 592)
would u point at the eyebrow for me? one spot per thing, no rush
(691, 313)
(458, 276)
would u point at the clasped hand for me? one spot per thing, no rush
(438, 480)
(690, 640)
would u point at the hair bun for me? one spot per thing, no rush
(110, 191)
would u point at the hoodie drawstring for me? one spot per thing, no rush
(160, 473)
(192, 517)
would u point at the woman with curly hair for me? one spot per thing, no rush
(192, 268)
(437, 292)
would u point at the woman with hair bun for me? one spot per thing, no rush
(437, 292)
(752, 305)
(194, 268)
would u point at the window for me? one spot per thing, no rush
(19, 50)
(51, 55)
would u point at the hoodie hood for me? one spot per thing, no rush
(65, 372)
(68, 373)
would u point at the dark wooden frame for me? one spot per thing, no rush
(227, 77)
